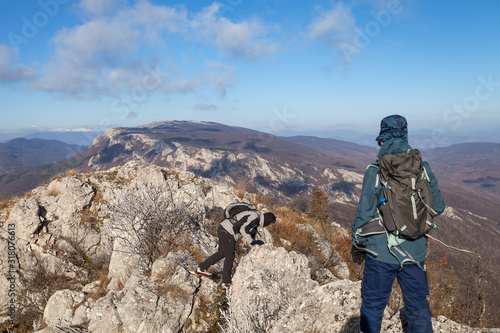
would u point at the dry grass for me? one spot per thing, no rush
(66, 174)
(101, 291)
(54, 193)
(98, 198)
(90, 217)
(5, 208)
(264, 200)
(70, 173)
(124, 277)
(241, 189)
(4, 204)
(288, 229)
(216, 216)
(195, 252)
(170, 290)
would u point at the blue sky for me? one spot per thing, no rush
(279, 66)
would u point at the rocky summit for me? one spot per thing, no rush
(110, 251)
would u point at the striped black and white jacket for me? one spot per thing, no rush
(244, 225)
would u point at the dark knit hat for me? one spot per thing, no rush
(269, 218)
(391, 127)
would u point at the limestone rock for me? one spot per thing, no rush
(104, 316)
(66, 308)
(273, 290)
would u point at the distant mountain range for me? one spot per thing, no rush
(280, 166)
(19, 154)
(421, 139)
(75, 137)
(468, 167)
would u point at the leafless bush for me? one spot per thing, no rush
(150, 219)
(39, 283)
(253, 317)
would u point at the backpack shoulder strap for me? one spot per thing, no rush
(377, 178)
(426, 175)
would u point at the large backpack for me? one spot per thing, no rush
(237, 207)
(234, 209)
(407, 207)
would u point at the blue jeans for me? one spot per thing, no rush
(376, 289)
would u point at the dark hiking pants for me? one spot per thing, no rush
(376, 289)
(226, 250)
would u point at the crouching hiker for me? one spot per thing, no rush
(399, 199)
(241, 221)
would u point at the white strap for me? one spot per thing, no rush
(414, 206)
(433, 212)
(427, 175)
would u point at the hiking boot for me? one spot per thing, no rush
(203, 272)
(225, 287)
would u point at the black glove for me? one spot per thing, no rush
(257, 242)
(358, 255)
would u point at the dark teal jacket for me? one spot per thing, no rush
(367, 210)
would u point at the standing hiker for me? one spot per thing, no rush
(384, 239)
(241, 221)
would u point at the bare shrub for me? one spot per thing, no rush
(470, 304)
(255, 316)
(40, 283)
(443, 284)
(150, 219)
(216, 216)
(318, 209)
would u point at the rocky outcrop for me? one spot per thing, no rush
(64, 233)
(272, 291)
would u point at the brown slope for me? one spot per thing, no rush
(474, 165)
(360, 154)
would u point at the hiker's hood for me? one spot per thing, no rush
(392, 127)
(393, 146)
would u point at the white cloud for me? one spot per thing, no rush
(9, 71)
(333, 26)
(338, 28)
(247, 39)
(111, 54)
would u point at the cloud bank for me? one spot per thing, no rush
(111, 53)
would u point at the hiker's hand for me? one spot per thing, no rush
(358, 256)
(257, 242)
